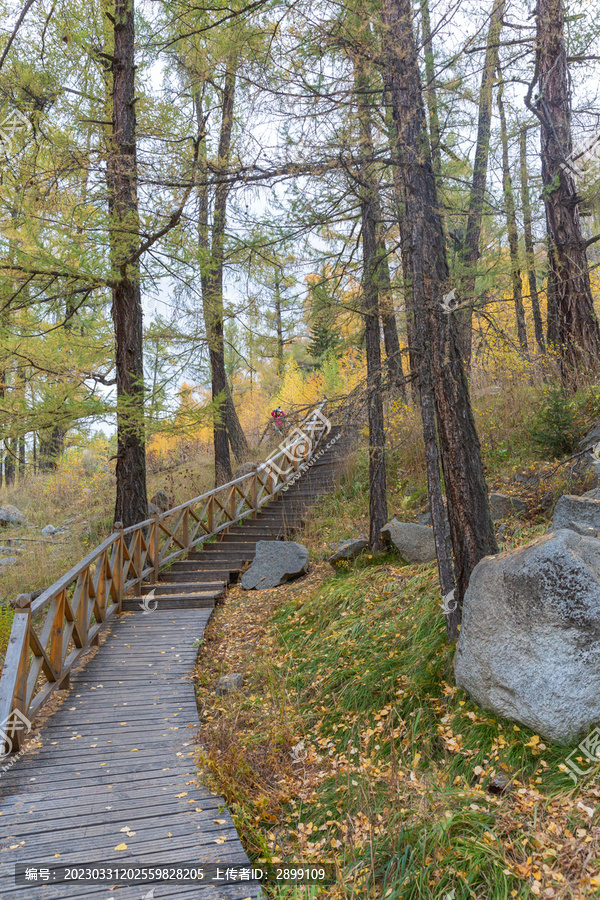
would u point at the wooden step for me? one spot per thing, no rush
(200, 586)
(172, 601)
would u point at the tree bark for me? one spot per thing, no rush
(466, 290)
(131, 500)
(471, 527)
(372, 260)
(22, 457)
(511, 223)
(226, 426)
(578, 339)
(529, 250)
(431, 92)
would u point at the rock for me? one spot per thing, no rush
(245, 469)
(152, 509)
(275, 563)
(499, 784)
(348, 550)
(49, 530)
(228, 683)
(529, 645)
(10, 515)
(580, 514)
(591, 439)
(160, 501)
(502, 506)
(415, 543)
(8, 560)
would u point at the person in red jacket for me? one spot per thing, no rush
(278, 416)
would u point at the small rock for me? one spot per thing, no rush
(245, 469)
(10, 515)
(8, 560)
(425, 519)
(415, 543)
(275, 563)
(228, 683)
(160, 501)
(348, 550)
(580, 514)
(499, 784)
(502, 506)
(49, 530)
(591, 439)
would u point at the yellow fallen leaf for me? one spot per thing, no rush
(220, 821)
(220, 840)
(135, 750)
(183, 794)
(121, 847)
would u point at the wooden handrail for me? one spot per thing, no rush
(50, 634)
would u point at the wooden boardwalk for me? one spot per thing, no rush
(120, 754)
(113, 782)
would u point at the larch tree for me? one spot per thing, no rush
(577, 335)
(471, 529)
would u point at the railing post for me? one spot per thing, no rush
(211, 515)
(119, 565)
(13, 682)
(254, 492)
(137, 554)
(186, 527)
(155, 550)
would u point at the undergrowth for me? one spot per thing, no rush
(351, 745)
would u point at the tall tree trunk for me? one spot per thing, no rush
(393, 354)
(511, 223)
(431, 91)
(578, 333)
(528, 234)
(9, 462)
(22, 457)
(477, 193)
(552, 329)
(131, 504)
(471, 527)
(405, 258)
(226, 425)
(279, 323)
(372, 260)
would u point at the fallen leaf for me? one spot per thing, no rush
(121, 847)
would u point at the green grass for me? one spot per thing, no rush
(371, 672)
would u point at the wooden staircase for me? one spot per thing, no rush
(201, 579)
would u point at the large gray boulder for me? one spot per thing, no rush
(415, 543)
(580, 514)
(502, 506)
(275, 563)
(348, 550)
(529, 646)
(10, 515)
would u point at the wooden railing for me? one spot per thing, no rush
(50, 633)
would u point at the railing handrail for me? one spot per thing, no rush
(123, 560)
